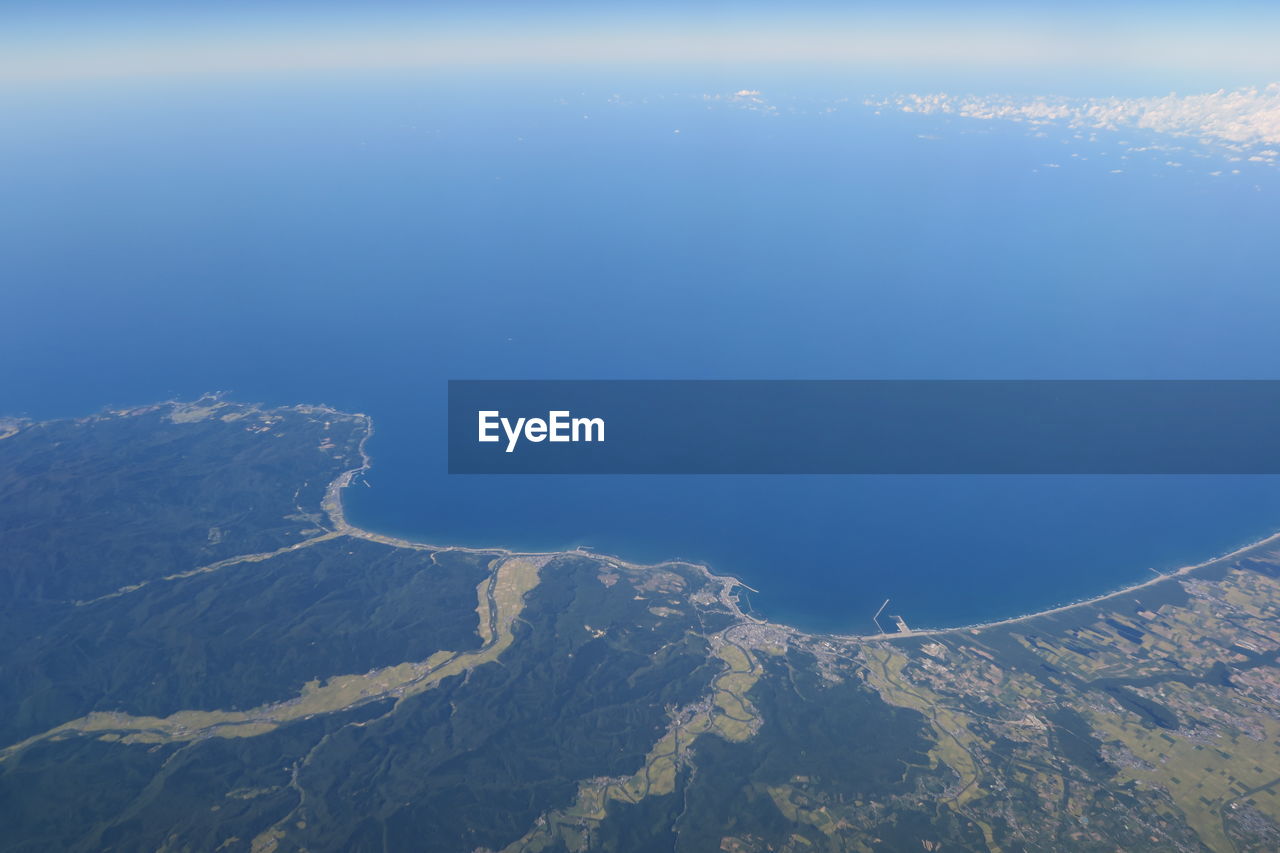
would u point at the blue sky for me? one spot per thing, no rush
(1219, 44)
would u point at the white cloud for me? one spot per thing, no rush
(1241, 119)
(749, 99)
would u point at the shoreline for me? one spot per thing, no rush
(1160, 577)
(332, 505)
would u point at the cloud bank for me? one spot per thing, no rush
(1245, 120)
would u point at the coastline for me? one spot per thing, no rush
(332, 505)
(976, 627)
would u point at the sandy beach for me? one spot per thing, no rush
(333, 506)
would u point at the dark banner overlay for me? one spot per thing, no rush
(864, 427)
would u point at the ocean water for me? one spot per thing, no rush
(361, 241)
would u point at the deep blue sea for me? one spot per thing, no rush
(360, 241)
